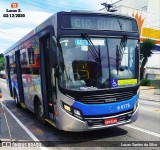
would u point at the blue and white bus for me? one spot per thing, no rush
(78, 70)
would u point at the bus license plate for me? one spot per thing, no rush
(110, 121)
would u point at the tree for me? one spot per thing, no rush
(146, 51)
(1, 62)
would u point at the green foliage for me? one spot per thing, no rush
(1, 62)
(146, 50)
(145, 82)
(146, 46)
(1, 55)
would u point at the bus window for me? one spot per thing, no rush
(31, 55)
(23, 56)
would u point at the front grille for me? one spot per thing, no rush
(106, 98)
(93, 122)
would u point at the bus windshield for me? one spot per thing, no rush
(86, 67)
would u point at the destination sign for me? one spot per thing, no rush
(100, 23)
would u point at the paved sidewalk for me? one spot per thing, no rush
(149, 93)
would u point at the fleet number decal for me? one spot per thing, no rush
(124, 106)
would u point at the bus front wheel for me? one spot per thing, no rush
(39, 112)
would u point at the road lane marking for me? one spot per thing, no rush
(7, 124)
(24, 127)
(143, 130)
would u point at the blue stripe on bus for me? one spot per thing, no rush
(102, 109)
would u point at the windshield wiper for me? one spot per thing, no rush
(122, 46)
(120, 52)
(120, 24)
(95, 54)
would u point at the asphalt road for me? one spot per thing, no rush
(146, 128)
(149, 116)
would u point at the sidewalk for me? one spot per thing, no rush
(149, 93)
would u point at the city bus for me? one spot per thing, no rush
(78, 70)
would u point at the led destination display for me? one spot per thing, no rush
(98, 22)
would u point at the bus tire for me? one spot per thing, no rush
(16, 99)
(39, 112)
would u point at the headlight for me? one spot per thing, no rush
(72, 111)
(76, 112)
(67, 107)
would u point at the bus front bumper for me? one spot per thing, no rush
(68, 122)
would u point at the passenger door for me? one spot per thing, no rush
(47, 81)
(8, 75)
(19, 77)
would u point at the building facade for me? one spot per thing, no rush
(147, 13)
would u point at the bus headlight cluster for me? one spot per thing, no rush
(72, 111)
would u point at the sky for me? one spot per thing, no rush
(36, 11)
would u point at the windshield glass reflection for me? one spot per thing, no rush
(83, 69)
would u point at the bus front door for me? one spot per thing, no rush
(46, 78)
